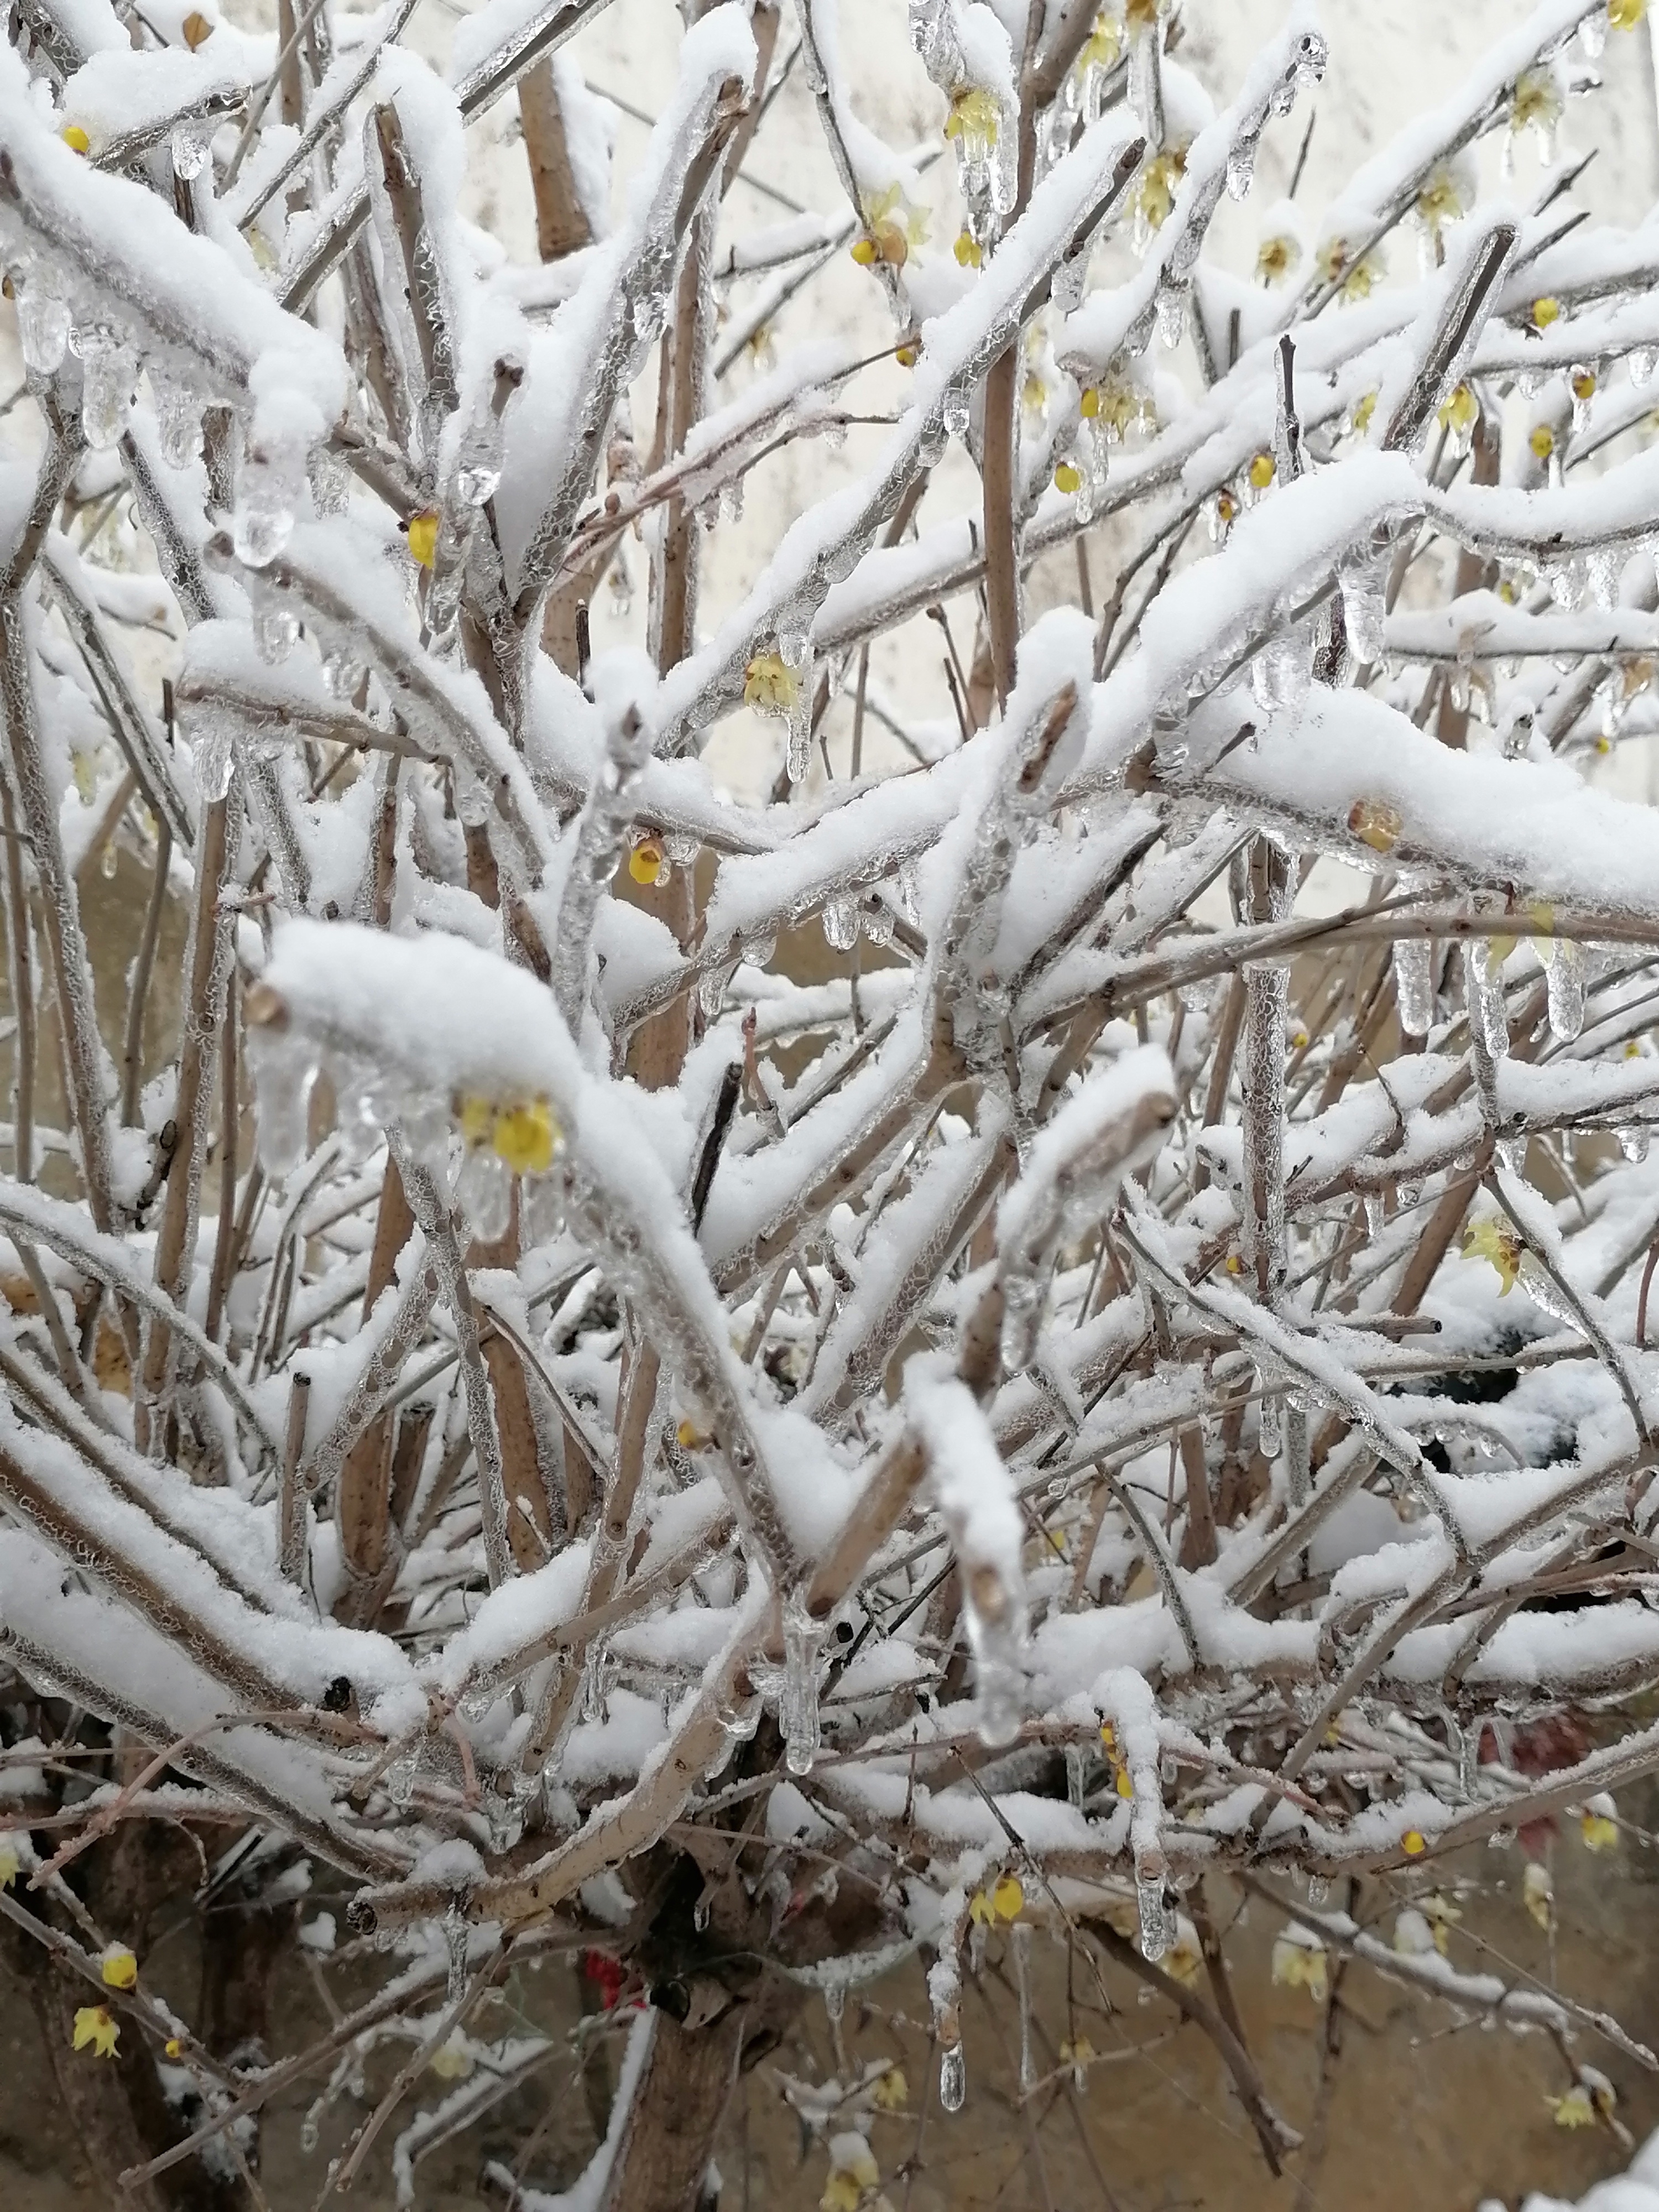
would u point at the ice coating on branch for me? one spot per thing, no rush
(976, 1497)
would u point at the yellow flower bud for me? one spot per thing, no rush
(907, 355)
(1545, 312)
(1262, 471)
(865, 253)
(524, 1136)
(1598, 1824)
(892, 2092)
(76, 138)
(1584, 384)
(1625, 14)
(1375, 823)
(1542, 442)
(424, 537)
(645, 862)
(173, 2047)
(1413, 1843)
(969, 251)
(1068, 477)
(120, 1968)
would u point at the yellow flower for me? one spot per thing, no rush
(120, 1968)
(1357, 281)
(76, 138)
(645, 861)
(1413, 1843)
(1005, 1900)
(1536, 102)
(477, 1118)
(1444, 197)
(1076, 2051)
(975, 118)
(1575, 2110)
(94, 2026)
(1442, 1915)
(524, 1136)
(1491, 1239)
(1068, 477)
(1103, 46)
(1545, 312)
(892, 2092)
(1184, 1958)
(1538, 1894)
(1625, 14)
(1262, 471)
(1375, 823)
(1459, 411)
(689, 1438)
(853, 2173)
(1235, 1263)
(1277, 258)
(10, 1866)
(424, 537)
(1542, 442)
(969, 251)
(1598, 1824)
(1118, 406)
(770, 684)
(197, 29)
(1126, 1787)
(452, 2060)
(1363, 409)
(891, 227)
(1107, 1734)
(1155, 194)
(1299, 1964)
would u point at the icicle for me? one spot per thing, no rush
(1566, 990)
(1641, 363)
(284, 1069)
(952, 2077)
(996, 1626)
(1077, 1774)
(1413, 984)
(1241, 169)
(400, 1775)
(1155, 1930)
(1468, 1762)
(189, 150)
(1593, 33)
(484, 1190)
(1298, 1475)
(268, 489)
(840, 920)
(43, 324)
(456, 1934)
(1269, 1423)
(1281, 674)
(799, 1704)
(1319, 1890)
(1020, 1936)
(1373, 1205)
(1633, 1143)
(1171, 314)
(1364, 585)
(109, 370)
(1490, 999)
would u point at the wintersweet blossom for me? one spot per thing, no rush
(770, 684)
(975, 120)
(1598, 1824)
(1299, 1962)
(119, 1967)
(93, 2027)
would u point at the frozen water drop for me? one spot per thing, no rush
(953, 2078)
(1413, 984)
(43, 326)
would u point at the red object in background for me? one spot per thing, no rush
(1536, 1747)
(606, 1975)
